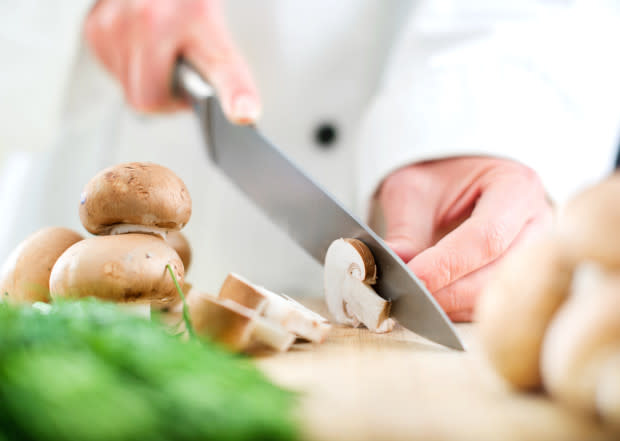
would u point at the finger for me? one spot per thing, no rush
(153, 49)
(408, 211)
(102, 28)
(494, 224)
(458, 299)
(210, 48)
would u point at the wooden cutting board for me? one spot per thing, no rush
(397, 386)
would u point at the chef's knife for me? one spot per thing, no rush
(308, 213)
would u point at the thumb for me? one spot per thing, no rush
(408, 219)
(211, 50)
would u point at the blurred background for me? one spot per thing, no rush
(350, 89)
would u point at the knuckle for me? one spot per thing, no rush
(449, 299)
(201, 8)
(148, 13)
(446, 266)
(494, 239)
(408, 179)
(529, 177)
(522, 175)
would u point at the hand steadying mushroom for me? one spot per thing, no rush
(349, 272)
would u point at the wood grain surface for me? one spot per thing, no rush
(397, 386)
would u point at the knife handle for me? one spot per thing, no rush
(187, 81)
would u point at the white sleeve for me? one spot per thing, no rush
(537, 85)
(39, 42)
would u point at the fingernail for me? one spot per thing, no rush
(402, 248)
(245, 110)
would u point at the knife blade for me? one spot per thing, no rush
(305, 211)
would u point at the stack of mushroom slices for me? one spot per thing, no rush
(246, 317)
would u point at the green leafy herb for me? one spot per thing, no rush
(186, 318)
(85, 371)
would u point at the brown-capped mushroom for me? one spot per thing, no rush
(234, 325)
(581, 348)
(516, 307)
(350, 271)
(135, 197)
(283, 310)
(131, 268)
(179, 242)
(25, 275)
(589, 224)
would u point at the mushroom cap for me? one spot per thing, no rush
(138, 194)
(582, 336)
(124, 268)
(516, 307)
(608, 390)
(589, 224)
(25, 275)
(179, 242)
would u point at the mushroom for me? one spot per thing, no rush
(130, 269)
(581, 350)
(25, 275)
(350, 271)
(589, 224)
(516, 307)
(135, 197)
(276, 308)
(234, 325)
(179, 242)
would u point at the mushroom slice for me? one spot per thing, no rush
(126, 269)
(234, 325)
(286, 312)
(350, 271)
(25, 275)
(135, 197)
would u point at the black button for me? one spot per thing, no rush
(325, 135)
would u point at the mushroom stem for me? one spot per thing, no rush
(363, 303)
(133, 228)
(136, 309)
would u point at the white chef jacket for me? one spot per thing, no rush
(389, 83)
